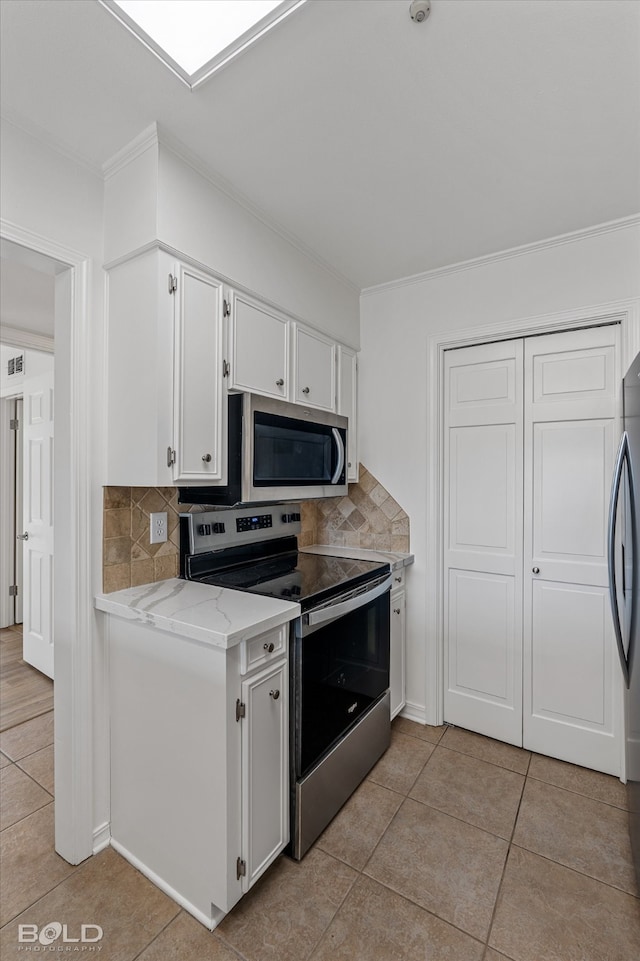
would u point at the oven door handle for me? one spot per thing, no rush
(330, 613)
(340, 445)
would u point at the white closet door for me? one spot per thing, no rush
(483, 539)
(571, 685)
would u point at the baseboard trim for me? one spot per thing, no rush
(210, 921)
(101, 837)
(414, 712)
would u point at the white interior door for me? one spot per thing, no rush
(37, 528)
(19, 511)
(571, 682)
(483, 539)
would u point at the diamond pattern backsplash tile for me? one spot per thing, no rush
(368, 517)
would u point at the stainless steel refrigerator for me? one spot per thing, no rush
(624, 587)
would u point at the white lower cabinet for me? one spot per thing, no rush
(397, 657)
(199, 761)
(265, 770)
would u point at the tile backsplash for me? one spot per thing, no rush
(368, 517)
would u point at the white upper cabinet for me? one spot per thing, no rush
(165, 403)
(314, 369)
(259, 348)
(347, 404)
(198, 395)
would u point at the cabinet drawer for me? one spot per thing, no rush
(263, 649)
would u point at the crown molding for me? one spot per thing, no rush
(508, 254)
(28, 339)
(148, 138)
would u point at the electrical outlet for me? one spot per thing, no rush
(158, 527)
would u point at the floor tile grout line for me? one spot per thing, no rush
(27, 720)
(589, 797)
(34, 779)
(157, 935)
(415, 904)
(569, 867)
(25, 816)
(470, 824)
(506, 861)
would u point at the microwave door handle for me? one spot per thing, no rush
(333, 611)
(340, 445)
(623, 454)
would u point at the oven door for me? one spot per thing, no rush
(340, 669)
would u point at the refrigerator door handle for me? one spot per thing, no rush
(623, 456)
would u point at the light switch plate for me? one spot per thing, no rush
(158, 527)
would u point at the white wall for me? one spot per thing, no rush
(52, 197)
(396, 321)
(153, 192)
(35, 362)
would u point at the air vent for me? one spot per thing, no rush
(15, 365)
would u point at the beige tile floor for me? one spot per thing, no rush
(455, 848)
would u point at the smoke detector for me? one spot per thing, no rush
(420, 10)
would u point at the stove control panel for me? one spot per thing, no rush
(231, 526)
(258, 522)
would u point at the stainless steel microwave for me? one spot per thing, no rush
(277, 452)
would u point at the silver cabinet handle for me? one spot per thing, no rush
(274, 694)
(398, 579)
(269, 647)
(23, 537)
(305, 390)
(206, 458)
(396, 610)
(536, 570)
(280, 382)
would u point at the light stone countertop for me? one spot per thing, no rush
(394, 558)
(210, 615)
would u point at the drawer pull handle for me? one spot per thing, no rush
(274, 694)
(398, 580)
(269, 648)
(280, 382)
(305, 390)
(396, 610)
(206, 458)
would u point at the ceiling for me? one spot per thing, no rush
(387, 147)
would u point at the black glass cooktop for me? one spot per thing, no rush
(308, 579)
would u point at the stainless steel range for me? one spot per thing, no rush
(339, 662)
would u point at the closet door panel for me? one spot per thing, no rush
(483, 529)
(571, 689)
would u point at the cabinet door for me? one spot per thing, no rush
(265, 769)
(198, 397)
(259, 348)
(347, 405)
(396, 666)
(314, 369)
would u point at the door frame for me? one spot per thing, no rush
(625, 312)
(72, 580)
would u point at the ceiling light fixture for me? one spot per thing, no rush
(194, 38)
